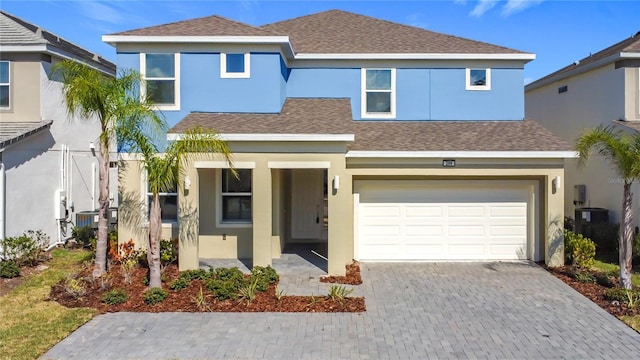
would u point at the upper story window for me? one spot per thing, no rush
(4, 85)
(478, 79)
(235, 65)
(378, 93)
(235, 197)
(161, 75)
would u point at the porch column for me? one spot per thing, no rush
(262, 198)
(554, 218)
(340, 217)
(188, 220)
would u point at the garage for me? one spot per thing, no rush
(442, 220)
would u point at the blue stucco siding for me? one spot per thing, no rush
(412, 94)
(451, 101)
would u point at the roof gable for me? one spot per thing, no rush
(205, 26)
(337, 31)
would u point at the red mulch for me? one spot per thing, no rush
(594, 291)
(352, 276)
(184, 300)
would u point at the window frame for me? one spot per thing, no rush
(175, 78)
(220, 223)
(235, 75)
(363, 95)
(7, 84)
(485, 87)
(144, 184)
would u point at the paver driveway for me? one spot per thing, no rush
(414, 310)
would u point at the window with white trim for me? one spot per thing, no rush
(161, 75)
(235, 65)
(235, 195)
(5, 84)
(478, 79)
(168, 203)
(378, 93)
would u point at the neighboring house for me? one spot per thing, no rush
(46, 162)
(601, 89)
(388, 142)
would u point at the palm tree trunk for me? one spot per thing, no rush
(626, 238)
(153, 248)
(103, 206)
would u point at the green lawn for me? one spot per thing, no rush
(614, 269)
(31, 325)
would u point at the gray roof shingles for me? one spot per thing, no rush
(333, 116)
(12, 132)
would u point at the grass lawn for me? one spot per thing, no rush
(632, 321)
(31, 325)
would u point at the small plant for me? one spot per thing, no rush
(604, 279)
(128, 268)
(312, 301)
(585, 277)
(168, 252)
(223, 290)
(9, 269)
(622, 295)
(180, 283)
(580, 251)
(228, 274)
(145, 280)
(264, 276)
(106, 281)
(83, 235)
(201, 301)
(339, 293)
(633, 298)
(154, 296)
(75, 288)
(248, 291)
(25, 249)
(115, 297)
(279, 293)
(199, 274)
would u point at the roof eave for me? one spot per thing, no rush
(276, 137)
(464, 154)
(415, 56)
(55, 51)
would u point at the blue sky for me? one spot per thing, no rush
(558, 32)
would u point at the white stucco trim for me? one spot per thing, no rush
(299, 164)
(222, 164)
(363, 96)
(418, 56)
(176, 81)
(276, 137)
(194, 39)
(465, 154)
(485, 87)
(246, 74)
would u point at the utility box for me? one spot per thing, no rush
(588, 216)
(87, 218)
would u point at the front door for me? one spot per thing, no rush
(307, 204)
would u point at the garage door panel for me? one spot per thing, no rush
(424, 222)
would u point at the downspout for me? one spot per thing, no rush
(60, 221)
(2, 206)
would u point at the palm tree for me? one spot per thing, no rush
(97, 97)
(164, 170)
(623, 152)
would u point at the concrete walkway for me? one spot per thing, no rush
(414, 310)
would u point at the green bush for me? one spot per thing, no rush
(180, 283)
(579, 251)
(620, 294)
(228, 274)
(25, 249)
(83, 235)
(585, 277)
(9, 269)
(155, 295)
(168, 251)
(263, 276)
(636, 249)
(115, 297)
(224, 290)
(199, 274)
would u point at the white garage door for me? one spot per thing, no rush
(419, 220)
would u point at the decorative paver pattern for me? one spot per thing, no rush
(414, 310)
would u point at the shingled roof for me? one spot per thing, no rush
(20, 33)
(333, 116)
(205, 26)
(12, 132)
(337, 31)
(629, 45)
(635, 125)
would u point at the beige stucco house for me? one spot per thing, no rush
(47, 168)
(406, 146)
(600, 89)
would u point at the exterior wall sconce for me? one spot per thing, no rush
(556, 182)
(336, 182)
(187, 183)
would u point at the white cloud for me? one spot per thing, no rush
(514, 6)
(415, 19)
(482, 7)
(101, 12)
(460, 2)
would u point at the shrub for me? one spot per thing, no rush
(223, 290)
(201, 301)
(180, 283)
(115, 297)
(9, 269)
(579, 251)
(585, 277)
(636, 249)
(83, 235)
(339, 293)
(228, 274)
(25, 249)
(199, 274)
(128, 268)
(75, 288)
(168, 252)
(264, 276)
(622, 295)
(155, 295)
(247, 292)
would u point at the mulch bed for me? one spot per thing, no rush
(185, 300)
(352, 276)
(594, 291)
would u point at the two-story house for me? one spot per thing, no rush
(600, 89)
(48, 171)
(384, 141)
